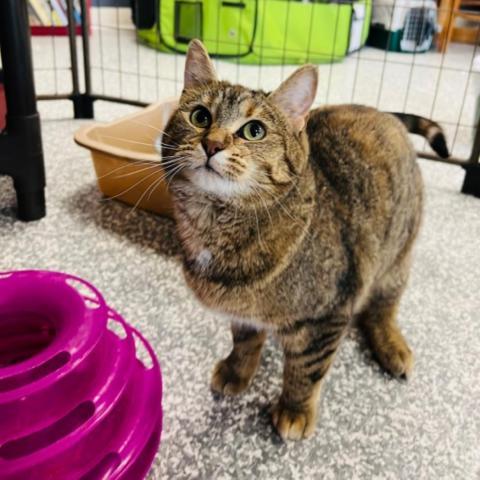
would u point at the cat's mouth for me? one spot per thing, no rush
(208, 168)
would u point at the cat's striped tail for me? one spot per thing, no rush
(429, 129)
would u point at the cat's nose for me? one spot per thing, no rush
(211, 147)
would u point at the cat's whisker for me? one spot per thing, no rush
(150, 189)
(169, 161)
(169, 156)
(172, 160)
(162, 177)
(146, 169)
(174, 164)
(257, 192)
(162, 132)
(258, 228)
(126, 140)
(180, 150)
(169, 175)
(129, 164)
(158, 141)
(175, 173)
(166, 174)
(149, 138)
(153, 142)
(129, 188)
(147, 164)
(154, 187)
(179, 153)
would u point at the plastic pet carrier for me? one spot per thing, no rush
(403, 25)
(256, 31)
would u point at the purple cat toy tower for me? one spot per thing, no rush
(76, 402)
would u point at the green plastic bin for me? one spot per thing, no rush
(261, 31)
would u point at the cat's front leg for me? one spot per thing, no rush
(309, 347)
(233, 374)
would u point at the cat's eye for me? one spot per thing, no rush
(201, 117)
(253, 131)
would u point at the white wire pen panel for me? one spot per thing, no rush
(442, 86)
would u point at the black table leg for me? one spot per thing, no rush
(21, 154)
(471, 184)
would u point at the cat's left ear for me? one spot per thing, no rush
(295, 95)
(199, 69)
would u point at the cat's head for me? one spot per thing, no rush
(233, 142)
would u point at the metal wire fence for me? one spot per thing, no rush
(108, 62)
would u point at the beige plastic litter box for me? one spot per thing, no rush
(123, 154)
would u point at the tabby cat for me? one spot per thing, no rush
(295, 223)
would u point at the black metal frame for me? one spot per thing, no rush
(20, 145)
(471, 183)
(21, 155)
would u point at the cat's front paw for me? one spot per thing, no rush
(393, 353)
(294, 424)
(397, 360)
(226, 381)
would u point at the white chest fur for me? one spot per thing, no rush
(204, 258)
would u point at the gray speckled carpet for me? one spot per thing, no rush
(371, 427)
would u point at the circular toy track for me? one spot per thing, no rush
(77, 400)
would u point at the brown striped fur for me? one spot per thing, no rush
(304, 231)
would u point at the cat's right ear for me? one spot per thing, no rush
(295, 95)
(199, 68)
